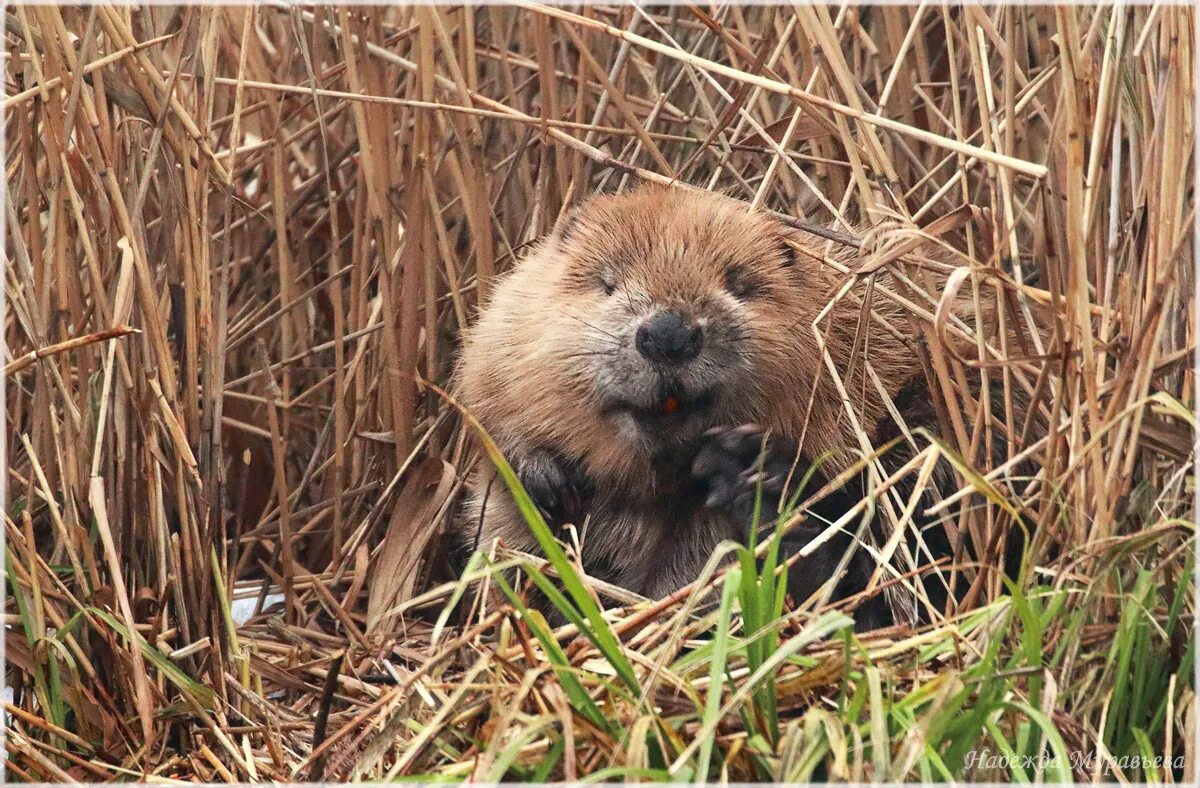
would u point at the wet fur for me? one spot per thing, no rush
(529, 373)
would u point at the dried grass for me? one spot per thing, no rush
(240, 240)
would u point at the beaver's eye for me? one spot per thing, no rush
(606, 284)
(740, 284)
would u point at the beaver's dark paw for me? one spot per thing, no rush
(558, 486)
(734, 462)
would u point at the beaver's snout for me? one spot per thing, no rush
(669, 338)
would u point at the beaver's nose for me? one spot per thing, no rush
(667, 338)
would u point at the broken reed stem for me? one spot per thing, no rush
(30, 358)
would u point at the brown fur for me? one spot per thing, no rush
(524, 376)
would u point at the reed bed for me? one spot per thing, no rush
(242, 243)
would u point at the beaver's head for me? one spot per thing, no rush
(666, 312)
(650, 316)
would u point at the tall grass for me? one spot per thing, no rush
(241, 244)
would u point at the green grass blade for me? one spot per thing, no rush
(716, 673)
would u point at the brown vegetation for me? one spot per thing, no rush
(240, 242)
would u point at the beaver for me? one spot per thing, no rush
(653, 364)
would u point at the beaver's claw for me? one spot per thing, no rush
(733, 463)
(558, 486)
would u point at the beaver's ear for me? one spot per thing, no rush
(786, 241)
(788, 252)
(567, 225)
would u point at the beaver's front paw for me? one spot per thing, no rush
(734, 462)
(558, 486)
